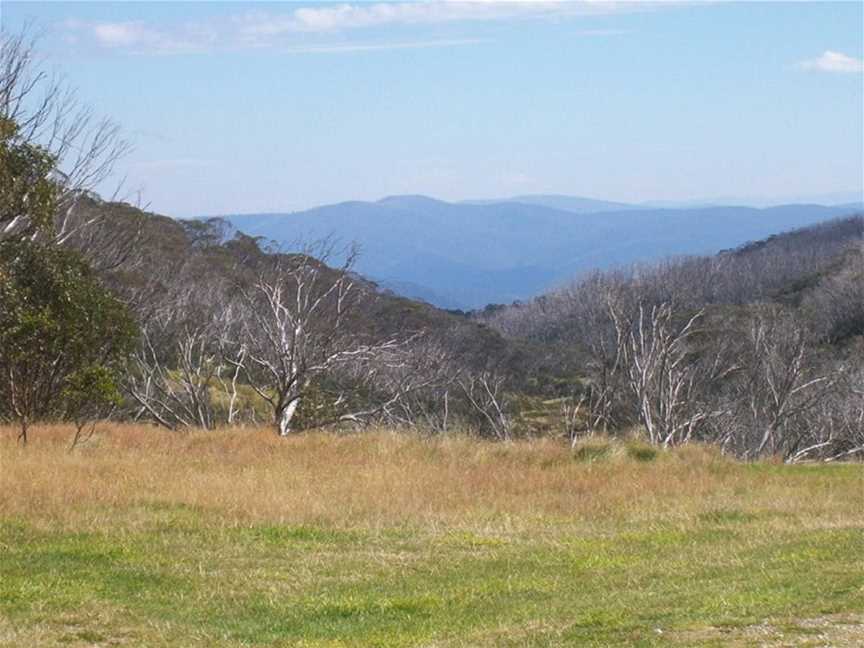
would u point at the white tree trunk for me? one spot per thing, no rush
(286, 416)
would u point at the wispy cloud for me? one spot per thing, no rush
(137, 36)
(290, 30)
(833, 62)
(340, 48)
(342, 17)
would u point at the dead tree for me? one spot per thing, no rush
(778, 384)
(174, 387)
(300, 326)
(488, 400)
(48, 116)
(187, 356)
(572, 418)
(408, 385)
(661, 375)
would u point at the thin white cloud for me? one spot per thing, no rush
(350, 16)
(834, 62)
(603, 32)
(341, 48)
(118, 34)
(358, 16)
(290, 30)
(136, 36)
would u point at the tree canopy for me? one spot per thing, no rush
(61, 333)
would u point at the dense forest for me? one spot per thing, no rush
(107, 310)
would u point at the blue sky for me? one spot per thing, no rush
(279, 106)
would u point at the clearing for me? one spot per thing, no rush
(148, 538)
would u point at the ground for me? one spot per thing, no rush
(143, 537)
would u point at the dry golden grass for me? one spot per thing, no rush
(384, 478)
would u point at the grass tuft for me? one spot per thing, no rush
(592, 450)
(641, 451)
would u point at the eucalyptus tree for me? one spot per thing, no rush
(61, 334)
(302, 323)
(185, 370)
(49, 137)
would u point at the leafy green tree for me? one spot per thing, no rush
(28, 200)
(61, 332)
(90, 394)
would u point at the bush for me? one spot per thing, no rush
(641, 451)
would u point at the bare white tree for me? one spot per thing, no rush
(488, 400)
(40, 110)
(186, 369)
(660, 374)
(776, 387)
(301, 325)
(572, 417)
(409, 385)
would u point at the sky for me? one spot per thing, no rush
(246, 107)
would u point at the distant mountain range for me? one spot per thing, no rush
(586, 205)
(468, 254)
(557, 201)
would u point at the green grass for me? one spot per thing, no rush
(166, 573)
(195, 583)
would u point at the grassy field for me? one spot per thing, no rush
(147, 538)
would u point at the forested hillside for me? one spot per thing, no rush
(758, 349)
(231, 331)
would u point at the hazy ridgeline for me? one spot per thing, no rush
(458, 255)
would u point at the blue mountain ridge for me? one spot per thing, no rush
(472, 254)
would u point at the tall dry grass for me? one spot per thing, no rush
(384, 478)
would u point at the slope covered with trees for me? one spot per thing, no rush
(233, 331)
(758, 349)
